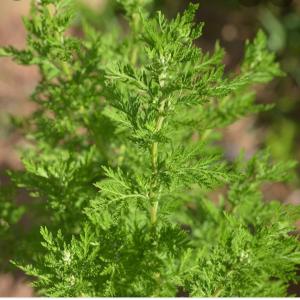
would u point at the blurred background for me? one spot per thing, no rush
(230, 21)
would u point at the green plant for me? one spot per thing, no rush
(122, 158)
(10, 214)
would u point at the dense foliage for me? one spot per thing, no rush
(122, 158)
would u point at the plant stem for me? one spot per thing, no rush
(153, 212)
(217, 293)
(154, 158)
(136, 23)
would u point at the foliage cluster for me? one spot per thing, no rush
(122, 159)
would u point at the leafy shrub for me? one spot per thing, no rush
(122, 160)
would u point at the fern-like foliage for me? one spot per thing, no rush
(121, 162)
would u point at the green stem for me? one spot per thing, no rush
(153, 212)
(217, 293)
(134, 55)
(154, 159)
(136, 23)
